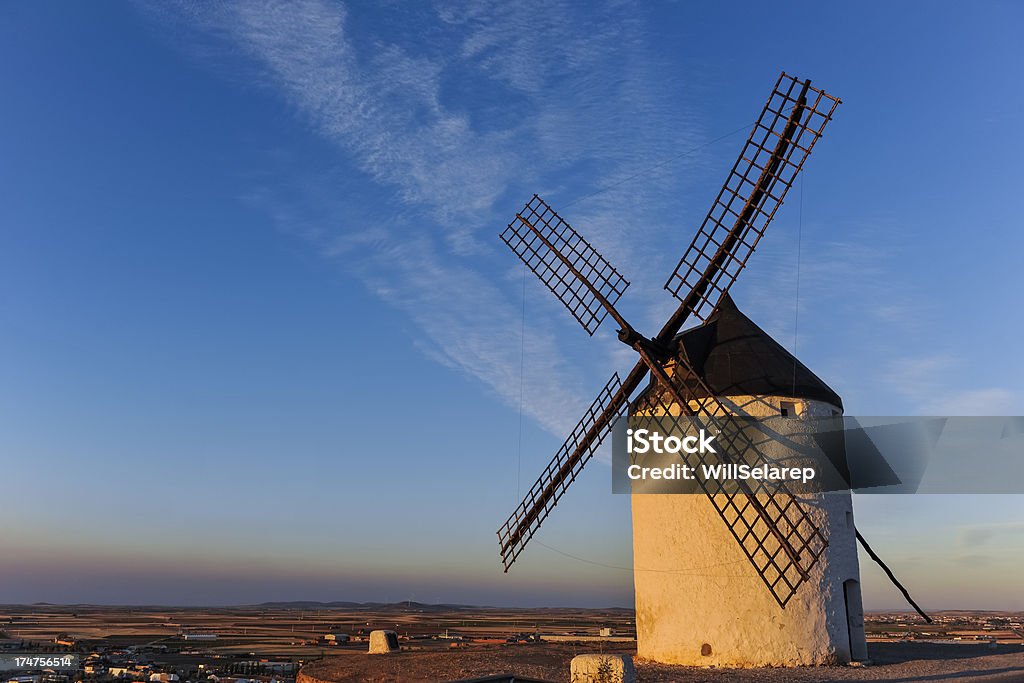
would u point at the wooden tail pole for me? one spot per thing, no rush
(892, 577)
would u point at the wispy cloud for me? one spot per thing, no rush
(895, 358)
(847, 271)
(465, 317)
(383, 108)
(929, 383)
(973, 536)
(500, 102)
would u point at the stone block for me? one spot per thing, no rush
(383, 642)
(602, 669)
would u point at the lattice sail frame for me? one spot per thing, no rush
(763, 519)
(752, 193)
(552, 249)
(779, 538)
(563, 469)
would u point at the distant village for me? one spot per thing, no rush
(155, 663)
(954, 626)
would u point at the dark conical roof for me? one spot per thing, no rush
(735, 357)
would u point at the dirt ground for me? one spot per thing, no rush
(897, 662)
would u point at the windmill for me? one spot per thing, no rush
(790, 594)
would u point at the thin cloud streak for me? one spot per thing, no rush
(386, 110)
(925, 381)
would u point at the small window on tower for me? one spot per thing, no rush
(788, 409)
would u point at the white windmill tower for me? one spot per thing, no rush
(791, 595)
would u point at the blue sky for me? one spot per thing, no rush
(261, 342)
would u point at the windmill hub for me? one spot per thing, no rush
(634, 340)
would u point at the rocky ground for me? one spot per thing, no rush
(895, 662)
(901, 662)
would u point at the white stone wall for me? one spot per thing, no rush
(700, 602)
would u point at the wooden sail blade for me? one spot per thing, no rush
(566, 464)
(583, 280)
(791, 122)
